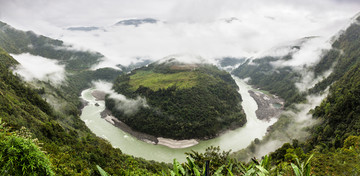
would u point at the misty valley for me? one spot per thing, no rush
(178, 95)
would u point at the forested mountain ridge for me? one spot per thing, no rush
(78, 64)
(71, 149)
(343, 55)
(184, 100)
(17, 42)
(70, 145)
(279, 81)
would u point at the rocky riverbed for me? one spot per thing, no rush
(269, 106)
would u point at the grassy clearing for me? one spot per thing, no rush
(157, 81)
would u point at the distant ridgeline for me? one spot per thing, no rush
(17, 42)
(345, 53)
(183, 100)
(77, 64)
(278, 80)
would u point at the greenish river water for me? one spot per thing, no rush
(234, 139)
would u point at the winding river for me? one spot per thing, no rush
(234, 140)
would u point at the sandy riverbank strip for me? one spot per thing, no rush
(116, 122)
(171, 143)
(266, 105)
(177, 143)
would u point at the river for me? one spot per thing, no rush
(232, 140)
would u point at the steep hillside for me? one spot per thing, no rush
(267, 74)
(278, 81)
(340, 111)
(78, 76)
(71, 149)
(335, 142)
(17, 41)
(343, 55)
(183, 101)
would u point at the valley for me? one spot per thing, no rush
(227, 88)
(140, 146)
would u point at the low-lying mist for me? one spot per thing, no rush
(292, 124)
(39, 68)
(125, 105)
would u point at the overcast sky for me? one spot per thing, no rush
(194, 27)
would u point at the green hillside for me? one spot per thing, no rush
(344, 55)
(278, 81)
(17, 42)
(77, 64)
(72, 149)
(184, 100)
(156, 81)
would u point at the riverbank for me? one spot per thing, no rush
(234, 140)
(99, 95)
(268, 106)
(141, 136)
(171, 143)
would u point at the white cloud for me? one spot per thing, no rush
(127, 105)
(35, 67)
(196, 27)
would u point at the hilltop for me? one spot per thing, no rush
(183, 100)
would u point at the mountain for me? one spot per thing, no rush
(78, 64)
(334, 141)
(269, 73)
(136, 22)
(343, 55)
(16, 42)
(91, 28)
(182, 101)
(196, 92)
(69, 144)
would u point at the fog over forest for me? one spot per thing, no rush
(207, 28)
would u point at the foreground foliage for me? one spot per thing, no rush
(20, 155)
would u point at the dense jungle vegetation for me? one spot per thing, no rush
(186, 100)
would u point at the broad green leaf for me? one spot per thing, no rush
(296, 170)
(101, 171)
(263, 170)
(219, 170)
(250, 172)
(229, 172)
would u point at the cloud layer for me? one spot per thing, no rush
(206, 28)
(39, 68)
